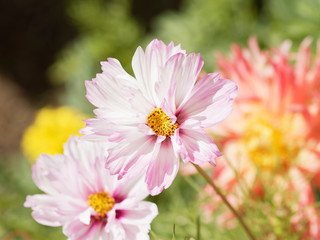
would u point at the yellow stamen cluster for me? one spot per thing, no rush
(101, 202)
(270, 144)
(159, 122)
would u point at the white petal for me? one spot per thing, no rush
(184, 72)
(45, 210)
(132, 155)
(147, 66)
(85, 217)
(197, 146)
(136, 221)
(163, 168)
(210, 102)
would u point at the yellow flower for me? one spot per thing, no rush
(51, 128)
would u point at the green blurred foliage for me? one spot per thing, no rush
(204, 25)
(207, 26)
(16, 184)
(106, 29)
(294, 19)
(180, 206)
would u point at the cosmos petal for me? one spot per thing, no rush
(211, 101)
(167, 160)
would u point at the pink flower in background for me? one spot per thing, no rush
(276, 109)
(270, 137)
(158, 115)
(306, 219)
(271, 78)
(290, 200)
(81, 195)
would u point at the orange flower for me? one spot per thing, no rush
(270, 138)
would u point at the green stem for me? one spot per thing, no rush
(209, 180)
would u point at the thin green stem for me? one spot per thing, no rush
(198, 228)
(211, 183)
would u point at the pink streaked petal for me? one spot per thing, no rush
(146, 66)
(85, 217)
(45, 209)
(81, 151)
(52, 209)
(163, 168)
(113, 69)
(164, 51)
(142, 213)
(90, 155)
(120, 117)
(108, 93)
(114, 225)
(51, 172)
(97, 138)
(197, 146)
(141, 105)
(132, 188)
(166, 87)
(116, 102)
(116, 231)
(135, 232)
(93, 124)
(101, 130)
(132, 155)
(186, 69)
(76, 230)
(94, 95)
(177, 78)
(136, 221)
(210, 102)
(166, 109)
(176, 141)
(146, 71)
(41, 174)
(145, 129)
(102, 91)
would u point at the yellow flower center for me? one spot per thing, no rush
(101, 202)
(159, 122)
(271, 143)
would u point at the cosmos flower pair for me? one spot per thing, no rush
(146, 123)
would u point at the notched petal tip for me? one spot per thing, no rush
(28, 202)
(155, 190)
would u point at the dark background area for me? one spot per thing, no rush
(34, 31)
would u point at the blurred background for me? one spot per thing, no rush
(49, 48)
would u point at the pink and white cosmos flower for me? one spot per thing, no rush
(158, 115)
(85, 199)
